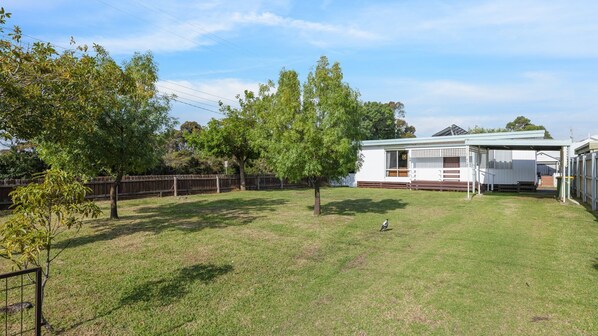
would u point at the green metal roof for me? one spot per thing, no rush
(457, 139)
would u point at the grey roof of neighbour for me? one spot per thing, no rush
(450, 131)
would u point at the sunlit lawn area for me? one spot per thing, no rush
(258, 263)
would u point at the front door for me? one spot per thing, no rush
(449, 174)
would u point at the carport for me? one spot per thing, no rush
(476, 148)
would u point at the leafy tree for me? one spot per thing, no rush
(20, 161)
(312, 132)
(232, 136)
(41, 212)
(385, 121)
(44, 94)
(128, 128)
(522, 123)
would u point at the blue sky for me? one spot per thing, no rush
(464, 62)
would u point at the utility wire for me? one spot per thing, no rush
(208, 34)
(193, 89)
(187, 94)
(144, 19)
(196, 106)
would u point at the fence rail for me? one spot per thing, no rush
(584, 170)
(164, 185)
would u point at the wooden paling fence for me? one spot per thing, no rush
(164, 185)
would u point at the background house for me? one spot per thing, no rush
(488, 161)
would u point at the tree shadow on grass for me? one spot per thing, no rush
(352, 207)
(171, 289)
(165, 291)
(187, 216)
(595, 265)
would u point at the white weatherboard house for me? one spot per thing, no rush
(467, 162)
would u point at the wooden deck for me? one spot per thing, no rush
(417, 185)
(447, 186)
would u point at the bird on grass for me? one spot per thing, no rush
(384, 225)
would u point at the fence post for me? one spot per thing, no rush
(281, 183)
(218, 184)
(593, 183)
(258, 182)
(176, 186)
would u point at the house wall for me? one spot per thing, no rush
(524, 169)
(373, 167)
(374, 160)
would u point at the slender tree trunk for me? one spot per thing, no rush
(242, 174)
(317, 197)
(114, 197)
(46, 276)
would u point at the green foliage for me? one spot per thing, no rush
(520, 123)
(312, 131)
(126, 133)
(44, 94)
(233, 136)
(385, 121)
(20, 161)
(41, 212)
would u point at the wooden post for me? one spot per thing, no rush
(176, 186)
(468, 168)
(218, 184)
(258, 182)
(281, 184)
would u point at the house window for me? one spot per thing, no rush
(500, 159)
(396, 163)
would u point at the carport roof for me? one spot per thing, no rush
(519, 144)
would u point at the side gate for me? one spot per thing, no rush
(20, 302)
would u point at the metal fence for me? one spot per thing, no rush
(19, 289)
(584, 170)
(164, 185)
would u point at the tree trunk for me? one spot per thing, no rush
(242, 174)
(114, 197)
(317, 197)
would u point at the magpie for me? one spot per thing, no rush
(384, 225)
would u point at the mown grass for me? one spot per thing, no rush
(258, 263)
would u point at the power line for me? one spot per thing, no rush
(210, 35)
(196, 106)
(193, 89)
(144, 19)
(187, 94)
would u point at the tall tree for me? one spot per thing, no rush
(312, 131)
(522, 123)
(43, 94)
(232, 136)
(127, 129)
(385, 121)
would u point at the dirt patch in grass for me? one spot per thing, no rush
(357, 262)
(540, 318)
(308, 253)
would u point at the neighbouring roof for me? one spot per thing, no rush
(590, 146)
(451, 130)
(457, 139)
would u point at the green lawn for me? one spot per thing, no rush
(258, 263)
